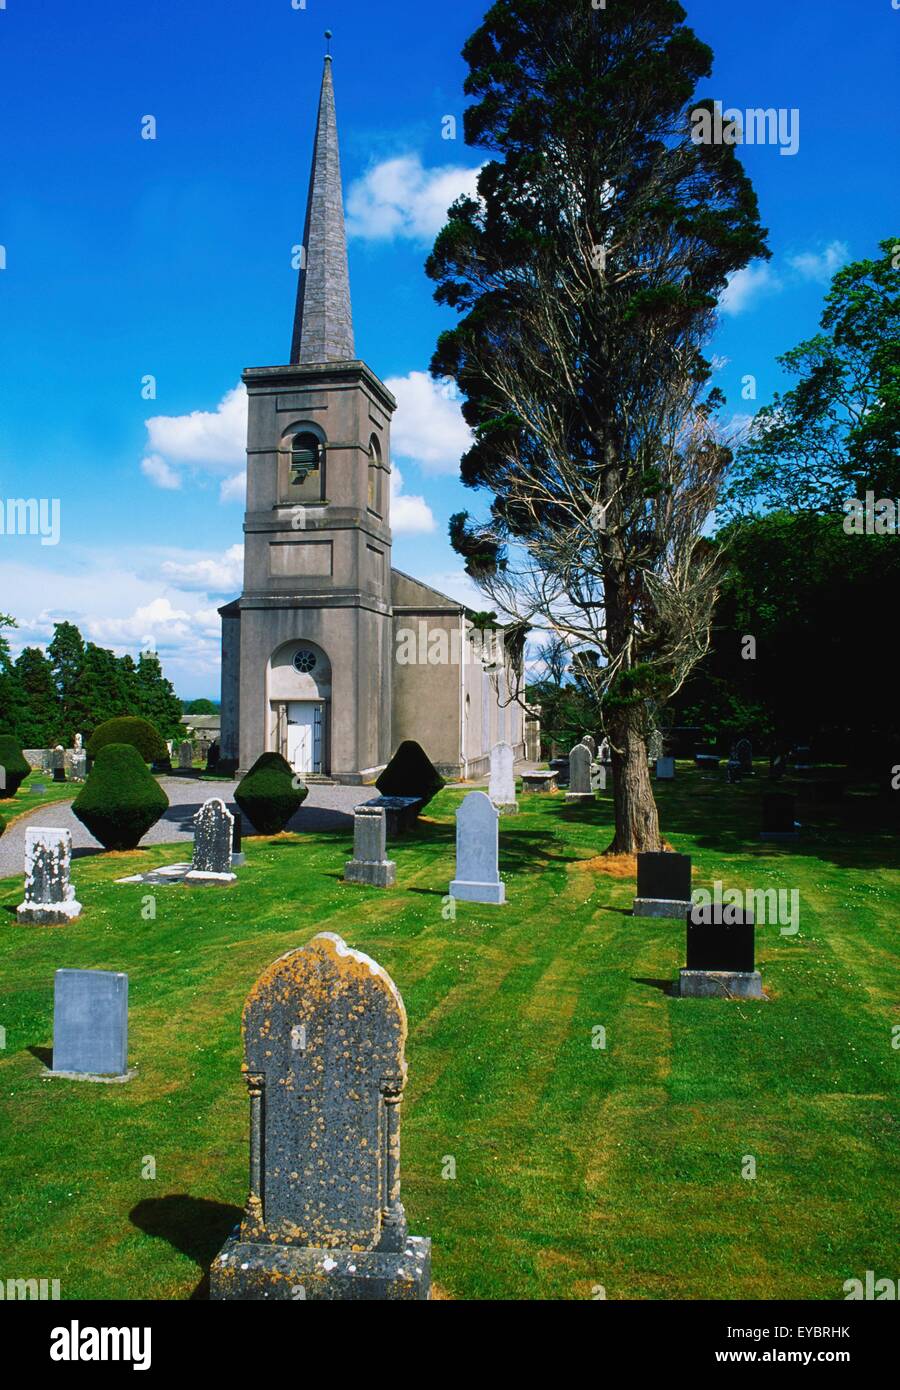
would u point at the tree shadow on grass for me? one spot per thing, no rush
(194, 1225)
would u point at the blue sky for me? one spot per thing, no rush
(171, 257)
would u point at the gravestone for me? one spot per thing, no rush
(604, 753)
(743, 752)
(78, 743)
(539, 782)
(502, 784)
(324, 1031)
(665, 769)
(79, 765)
(400, 813)
(90, 1025)
(590, 743)
(49, 895)
(185, 755)
(579, 775)
(477, 852)
(663, 885)
(655, 746)
(213, 835)
(58, 763)
(237, 854)
(560, 766)
(720, 954)
(370, 863)
(778, 817)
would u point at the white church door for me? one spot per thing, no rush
(304, 735)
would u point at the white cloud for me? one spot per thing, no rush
(428, 426)
(213, 575)
(746, 286)
(234, 489)
(409, 514)
(821, 266)
(159, 472)
(401, 198)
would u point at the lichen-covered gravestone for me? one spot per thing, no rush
(185, 755)
(324, 1037)
(580, 774)
(49, 895)
(79, 765)
(90, 1025)
(370, 863)
(213, 834)
(477, 852)
(502, 784)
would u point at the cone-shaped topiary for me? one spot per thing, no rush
(120, 800)
(140, 733)
(410, 773)
(13, 767)
(267, 795)
(2, 825)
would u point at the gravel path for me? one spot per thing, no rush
(326, 808)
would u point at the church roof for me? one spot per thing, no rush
(323, 321)
(411, 594)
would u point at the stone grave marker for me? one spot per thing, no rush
(324, 1031)
(665, 769)
(90, 1025)
(539, 781)
(720, 954)
(604, 752)
(590, 743)
(79, 765)
(49, 896)
(477, 852)
(580, 774)
(663, 885)
(58, 763)
(502, 784)
(213, 836)
(370, 863)
(743, 752)
(185, 754)
(237, 854)
(778, 817)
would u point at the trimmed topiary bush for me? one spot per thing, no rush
(120, 799)
(140, 733)
(14, 765)
(2, 825)
(410, 773)
(267, 795)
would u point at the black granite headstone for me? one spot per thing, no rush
(664, 875)
(720, 937)
(237, 831)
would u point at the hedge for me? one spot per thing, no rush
(140, 733)
(267, 794)
(120, 800)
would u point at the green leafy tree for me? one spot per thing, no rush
(586, 275)
(156, 698)
(66, 653)
(100, 692)
(41, 720)
(836, 434)
(12, 696)
(201, 706)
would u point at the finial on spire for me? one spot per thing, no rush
(328, 37)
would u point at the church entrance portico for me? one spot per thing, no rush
(303, 729)
(299, 696)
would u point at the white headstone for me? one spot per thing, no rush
(49, 895)
(502, 785)
(478, 852)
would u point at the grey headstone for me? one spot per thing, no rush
(580, 774)
(213, 836)
(370, 863)
(324, 1032)
(591, 743)
(185, 755)
(655, 746)
(604, 752)
(49, 896)
(477, 852)
(90, 1022)
(502, 784)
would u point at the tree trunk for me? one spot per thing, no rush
(637, 821)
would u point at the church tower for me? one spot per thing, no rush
(307, 648)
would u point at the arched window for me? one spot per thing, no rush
(374, 476)
(306, 457)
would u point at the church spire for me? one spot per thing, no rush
(323, 323)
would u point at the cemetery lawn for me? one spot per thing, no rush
(27, 799)
(575, 1166)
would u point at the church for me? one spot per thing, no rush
(331, 656)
